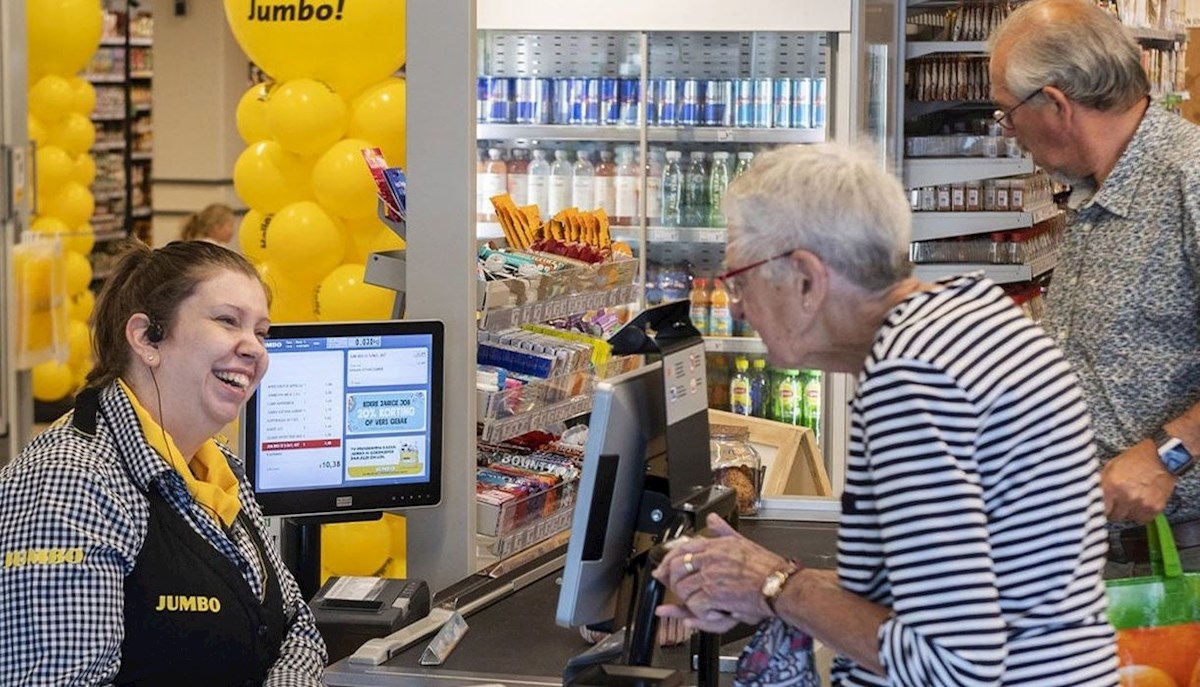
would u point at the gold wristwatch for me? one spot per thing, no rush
(773, 585)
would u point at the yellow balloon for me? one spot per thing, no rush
(81, 240)
(54, 168)
(62, 34)
(304, 241)
(291, 300)
(52, 381)
(251, 114)
(348, 45)
(83, 95)
(355, 548)
(305, 116)
(80, 305)
(73, 204)
(79, 273)
(79, 344)
(85, 169)
(75, 134)
(37, 130)
(267, 177)
(343, 296)
(379, 115)
(51, 98)
(369, 235)
(252, 235)
(342, 182)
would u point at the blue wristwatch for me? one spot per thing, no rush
(1174, 455)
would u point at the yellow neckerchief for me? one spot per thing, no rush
(208, 475)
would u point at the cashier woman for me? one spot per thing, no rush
(134, 552)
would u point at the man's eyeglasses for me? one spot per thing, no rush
(733, 286)
(1004, 119)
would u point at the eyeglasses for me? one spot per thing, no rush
(1004, 119)
(729, 279)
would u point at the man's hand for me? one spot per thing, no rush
(1136, 485)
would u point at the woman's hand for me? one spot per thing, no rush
(718, 579)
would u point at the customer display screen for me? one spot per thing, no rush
(347, 418)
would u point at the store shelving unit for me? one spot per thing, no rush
(941, 225)
(121, 72)
(934, 171)
(1001, 274)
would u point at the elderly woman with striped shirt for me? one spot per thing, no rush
(971, 542)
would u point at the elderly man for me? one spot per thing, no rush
(971, 540)
(1124, 303)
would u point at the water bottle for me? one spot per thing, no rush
(626, 185)
(718, 181)
(560, 184)
(583, 187)
(672, 191)
(743, 164)
(539, 183)
(655, 164)
(695, 192)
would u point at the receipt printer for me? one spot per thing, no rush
(351, 610)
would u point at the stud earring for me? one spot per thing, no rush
(150, 358)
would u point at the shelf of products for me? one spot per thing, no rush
(735, 344)
(916, 49)
(1001, 274)
(937, 171)
(937, 225)
(654, 134)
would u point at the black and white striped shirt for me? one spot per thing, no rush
(972, 505)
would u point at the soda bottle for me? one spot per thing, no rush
(672, 191)
(539, 183)
(720, 320)
(606, 186)
(559, 196)
(740, 401)
(718, 181)
(492, 180)
(695, 191)
(654, 178)
(760, 389)
(699, 298)
(812, 400)
(626, 188)
(583, 182)
(789, 398)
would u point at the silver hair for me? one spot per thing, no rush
(1091, 58)
(831, 199)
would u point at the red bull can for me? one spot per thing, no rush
(577, 97)
(591, 102)
(802, 103)
(534, 101)
(819, 98)
(763, 102)
(689, 102)
(610, 101)
(481, 98)
(781, 103)
(630, 90)
(668, 99)
(499, 100)
(718, 103)
(743, 105)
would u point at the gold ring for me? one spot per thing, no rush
(688, 565)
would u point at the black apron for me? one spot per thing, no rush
(190, 616)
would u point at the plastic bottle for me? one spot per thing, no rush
(760, 389)
(720, 319)
(744, 159)
(654, 175)
(718, 181)
(583, 185)
(518, 175)
(812, 400)
(695, 191)
(717, 365)
(492, 180)
(789, 398)
(560, 184)
(606, 183)
(672, 191)
(699, 299)
(740, 401)
(626, 187)
(539, 182)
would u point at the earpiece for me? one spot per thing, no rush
(154, 332)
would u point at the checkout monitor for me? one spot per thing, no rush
(348, 418)
(628, 429)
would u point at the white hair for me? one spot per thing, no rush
(1076, 47)
(831, 199)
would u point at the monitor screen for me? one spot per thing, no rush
(348, 418)
(627, 429)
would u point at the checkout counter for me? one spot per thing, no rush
(513, 640)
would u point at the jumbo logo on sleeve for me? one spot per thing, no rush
(23, 557)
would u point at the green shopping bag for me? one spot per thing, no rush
(1158, 618)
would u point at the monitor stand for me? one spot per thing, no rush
(300, 546)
